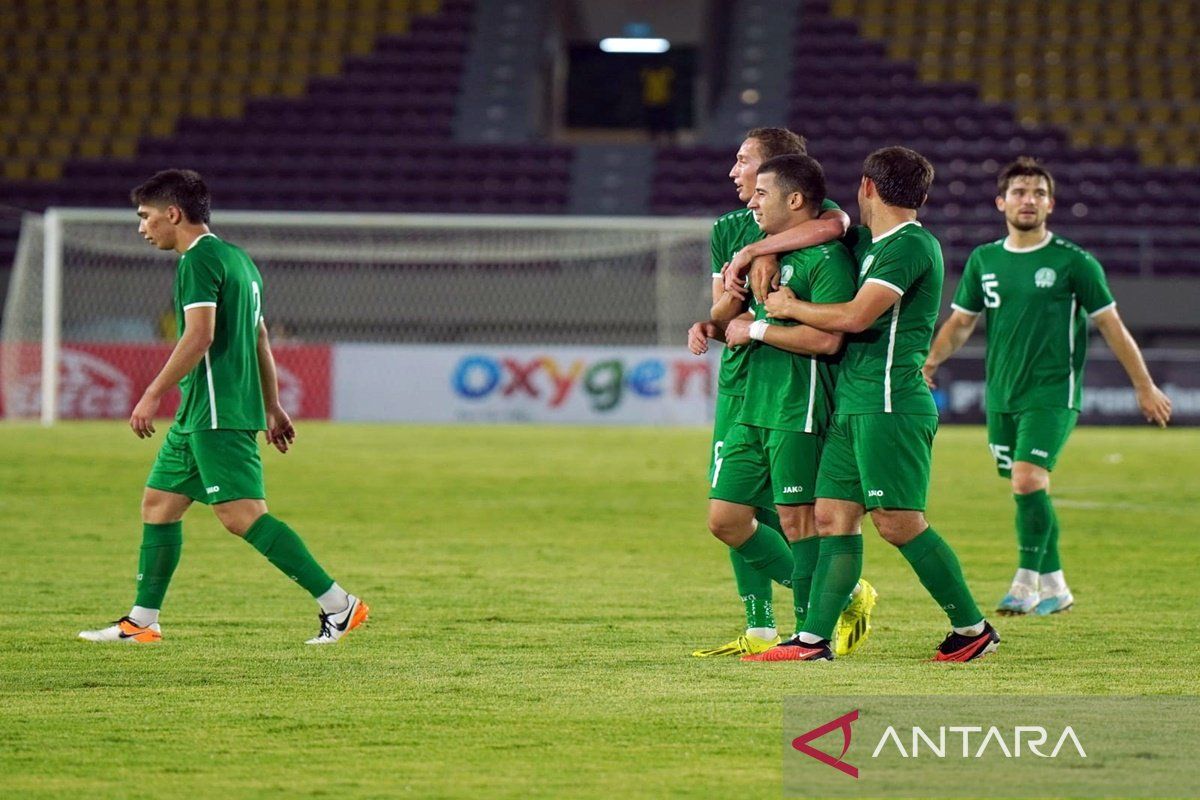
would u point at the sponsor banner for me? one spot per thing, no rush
(986, 746)
(104, 381)
(1108, 397)
(436, 383)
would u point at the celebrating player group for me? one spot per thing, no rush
(824, 407)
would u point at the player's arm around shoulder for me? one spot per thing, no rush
(830, 280)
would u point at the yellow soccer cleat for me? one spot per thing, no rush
(854, 625)
(743, 645)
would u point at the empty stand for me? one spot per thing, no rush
(850, 96)
(344, 119)
(1114, 73)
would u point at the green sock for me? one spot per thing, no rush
(284, 548)
(1033, 528)
(753, 585)
(839, 566)
(1051, 561)
(767, 551)
(161, 547)
(804, 555)
(936, 565)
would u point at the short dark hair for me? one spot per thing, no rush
(901, 176)
(795, 173)
(176, 187)
(1024, 166)
(778, 142)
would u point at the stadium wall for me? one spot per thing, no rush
(521, 383)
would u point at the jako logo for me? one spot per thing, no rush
(801, 743)
(604, 382)
(875, 493)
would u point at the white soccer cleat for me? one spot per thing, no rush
(335, 626)
(1055, 604)
(1021, 599)
(125, 631)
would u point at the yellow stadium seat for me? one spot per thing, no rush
(16, 169)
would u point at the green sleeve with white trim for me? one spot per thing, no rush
(1089, 284)
(969, 294)
(200, 279)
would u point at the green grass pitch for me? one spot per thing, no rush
(535, 595)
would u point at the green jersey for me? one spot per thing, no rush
(790, 392)
(881, 366)
(223, 391)
(731, 232)
(1037, 300)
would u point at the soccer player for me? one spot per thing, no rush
(775, 443)
(733, 232)
(878, 451)
(226, 374)
(1037, 291)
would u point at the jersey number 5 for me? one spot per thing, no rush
(990, 298)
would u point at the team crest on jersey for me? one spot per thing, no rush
(785, 276)
(1044, 278)
(866, 265)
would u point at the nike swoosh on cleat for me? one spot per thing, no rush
(349, 616)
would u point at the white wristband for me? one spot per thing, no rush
(758, 329)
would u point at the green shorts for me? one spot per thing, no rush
(209, 466)
(755, 459)
(1037, 436)
(878, 460)
(729, 407)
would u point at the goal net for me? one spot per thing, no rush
(88, 315)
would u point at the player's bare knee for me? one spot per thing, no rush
(826, 521)
(239, 516)
(160, 508)
(732, 524)
(1029, 478)
(798, 522)
(832, 518)
(898, 528)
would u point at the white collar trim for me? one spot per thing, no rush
(1031, 248)
(885, 234)
(198, 238)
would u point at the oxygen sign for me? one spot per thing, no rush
(605, 382)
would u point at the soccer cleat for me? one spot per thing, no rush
(854, 625)
(795, 650)
(1020, 599)
(742, 645)
(335, 626)
(1055, 604)
(958, 647)
(124, 630)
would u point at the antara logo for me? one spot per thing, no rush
(843, 722)
(1023, 738)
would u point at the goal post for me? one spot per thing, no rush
(84, 280)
